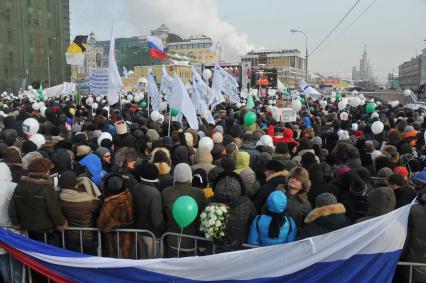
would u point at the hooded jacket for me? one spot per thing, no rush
(242, 161)
(203, 160)
(93, 164)
(7, 188)
(324, 219)
(298, 157)
(380, 201)
(259, 228)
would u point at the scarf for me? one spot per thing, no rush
(92, 192)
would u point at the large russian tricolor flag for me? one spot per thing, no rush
(365, 252)
(156, 48)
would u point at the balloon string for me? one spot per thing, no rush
(179, 241)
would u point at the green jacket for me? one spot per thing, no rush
(35, 205)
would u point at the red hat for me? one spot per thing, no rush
(358, 133)
(401, 170)
(288, 135)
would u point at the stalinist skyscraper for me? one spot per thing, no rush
(365, 72)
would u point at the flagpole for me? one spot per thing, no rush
(170, 121)
(147, 93)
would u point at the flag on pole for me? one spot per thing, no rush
(201, 105)
(364, 252)
(76, 50)
(153, 92)
(225, 82)
(181, 101)
(125, 73)
(204, 91)
(166, 83)
(250, 102)
(156, 48)
(307, 89)
(217, 98)
(114, 80)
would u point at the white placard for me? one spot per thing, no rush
(284, 114)
(98, 81)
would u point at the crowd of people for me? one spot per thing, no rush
(72, 166)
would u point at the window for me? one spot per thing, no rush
(9, 36)
(10, 56)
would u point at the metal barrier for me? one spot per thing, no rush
(411, 265)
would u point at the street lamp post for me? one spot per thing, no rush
(306, 49)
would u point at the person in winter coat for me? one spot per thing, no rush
(106, 160)
(403, 194)
(317, 175)
(12, 157)
(35, 206)
(296, 190)
(125, 162)
(80, 203)
(416, 239)
(273, 228)
(282, 155)
(182, 187)
(326, 217)
(7, 188)
(305, 146)
(380, 201)
(242, 162)
(229, 190)
(116, 212)
(93, 166)
(161, 158)
(355, 201)
(275, 176)
(203, 159)
(148, 208)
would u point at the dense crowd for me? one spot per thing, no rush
(74, 166)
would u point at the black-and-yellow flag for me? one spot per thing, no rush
(75, 52)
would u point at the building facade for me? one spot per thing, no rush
(410, 73)
(197, 48)
(34, 36)
(365, 72)
(289, 64)
(423, 68)
(94, 58)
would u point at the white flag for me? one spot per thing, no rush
(153, 92)
(203, 89)
(125, 73)
(114, 80)
(217, 98)
(216, 47)
(166, 83)
(307, 89)
(200, 105)
(226, 83)
(181, 101)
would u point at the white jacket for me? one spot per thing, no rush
(7, 188)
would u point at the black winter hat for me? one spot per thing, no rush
(281, 148)
(148, 172)
(67, 180)
(199, 178)
(308, 158)
(396, 179)
(113, 184)
(274, 165)
(228, 164)
(28, 146)
(227, 139)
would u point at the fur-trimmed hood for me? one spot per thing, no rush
(283, 173)
(37, 178)
(324, 211)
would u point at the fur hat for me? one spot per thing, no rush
(182, 173)
(40, 165)
(203, 155)
(125, 155)
(120, 127)
(29, 157)
(392, 153)
(67, 180)
(217, 137)
(302, 175)
(218, 129)
(161, 154)
(152, 135)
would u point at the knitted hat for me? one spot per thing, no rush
(101, 151)
(83, 150)
(199, 178)
(120, 127)
(274, 165)
(182, 173)
(28, 146)
(28, 158)
(227, 139)
(401, 170)
(325, 199)
(281, 148)
(308, 158)
(384, 173)
(67, 180)
(228, 187)
(396, 179)
(217, 137)
(152, 135)
(40, 165)
(317, 141)
(218, 129)
(148, 172)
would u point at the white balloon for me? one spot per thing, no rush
(296, 105)
(341, 105)
(270, 102)
(238, 105)
(207, 74)
(354, 101)
(377, 127)
(323, 103)
(38, 139)
(407, 92)
(95, 106)
(206, 142)
(137, 98)
(155, 116)
(36, 106)
(123, 101)
(141, 96)
(98, 99)
(43, 110)
(344, 116)
(130, 97)
(31, 100)
(104, 135)
(161, 119)
(163, 106)
(143, 80)
(89, 101)
(30, 126)
(362, 102)
(333, 99)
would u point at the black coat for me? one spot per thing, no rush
(272, 182)
(356, 205)
(323, 220)
(404, 195)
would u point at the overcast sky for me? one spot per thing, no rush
(394, 30)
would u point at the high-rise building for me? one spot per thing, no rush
(365, 72)
(34, 36)
(197, 48)
(409, 73)
(423, 68)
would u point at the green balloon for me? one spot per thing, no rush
(184, 211)
(143, 104)
(249, 118)
(370, 107)
(302, 100)
(174, 112)
(338, 97)
(286, 93)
